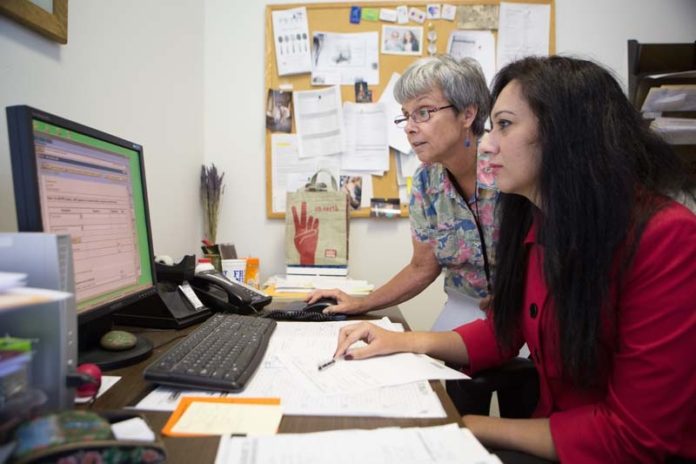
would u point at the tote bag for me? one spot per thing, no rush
(316, 228)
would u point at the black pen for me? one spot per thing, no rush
(327, 364)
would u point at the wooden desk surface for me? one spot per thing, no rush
(132, 388)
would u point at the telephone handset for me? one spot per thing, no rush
(222, 294)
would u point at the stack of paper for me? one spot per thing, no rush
(295, 284)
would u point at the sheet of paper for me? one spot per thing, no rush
(442, 444)
(274, 379)
(289, 172)
(319, 122)
(407, 163)
(355, 376)
(107, 381)
(291, 39)
(366, 138)
(197, 416)
(396, 135)
(479, 45)
(133, 429)
(344, 59)
(523, 31)
(670, 98)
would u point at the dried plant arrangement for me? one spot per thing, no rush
(212, 188)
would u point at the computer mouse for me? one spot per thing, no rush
(321, 304)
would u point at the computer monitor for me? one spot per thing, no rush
(72, 179)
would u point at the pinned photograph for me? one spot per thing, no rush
(433, 11)
(362, 93)
(402, 40)
(279, 111)
(352, 185)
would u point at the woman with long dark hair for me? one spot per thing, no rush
(596, 273)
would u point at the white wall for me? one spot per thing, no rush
(133, 69)
(186, 79)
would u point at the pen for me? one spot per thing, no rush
(326, 364)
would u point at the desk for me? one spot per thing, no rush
(132, 388)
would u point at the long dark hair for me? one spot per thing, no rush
(603, 173)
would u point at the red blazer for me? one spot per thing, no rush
(644, 409)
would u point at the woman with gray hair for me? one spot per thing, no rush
(445, 103)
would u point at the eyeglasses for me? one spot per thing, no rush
(420, 115)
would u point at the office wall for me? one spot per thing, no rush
(130, 68)
(234, 99)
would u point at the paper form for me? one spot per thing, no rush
(366, 138)
(319, 122)
(365, 374)
(523, 31)
(441, 444)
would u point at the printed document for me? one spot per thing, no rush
(442, 444)
(366, 138)
(523, 31)
(291, 40)
(344, 59)
(319, 122)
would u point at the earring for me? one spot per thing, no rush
(467, 142)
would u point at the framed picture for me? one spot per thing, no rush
(402, 40)
(47, 17)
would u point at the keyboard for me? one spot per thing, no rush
(221, 354)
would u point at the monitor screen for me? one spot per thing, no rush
(71, 179)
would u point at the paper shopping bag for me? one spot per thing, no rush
(316, 228)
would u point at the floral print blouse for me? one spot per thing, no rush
(441, 218)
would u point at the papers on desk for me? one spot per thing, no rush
(278, 376)
(442, 444)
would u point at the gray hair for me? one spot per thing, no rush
(461, 82)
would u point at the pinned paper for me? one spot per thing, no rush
(449, 12)
(202, 416)
(387, 14)
(355, 14)
(370, 14)
(402, 14)
(416, 15)
(433, 11)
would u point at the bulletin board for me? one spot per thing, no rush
(335, 17)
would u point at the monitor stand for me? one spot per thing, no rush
(107, 359)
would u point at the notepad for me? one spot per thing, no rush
(202, 416)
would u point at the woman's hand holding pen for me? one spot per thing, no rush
(346, 303)
(379, 341)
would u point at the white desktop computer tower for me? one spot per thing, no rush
(47, 261)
